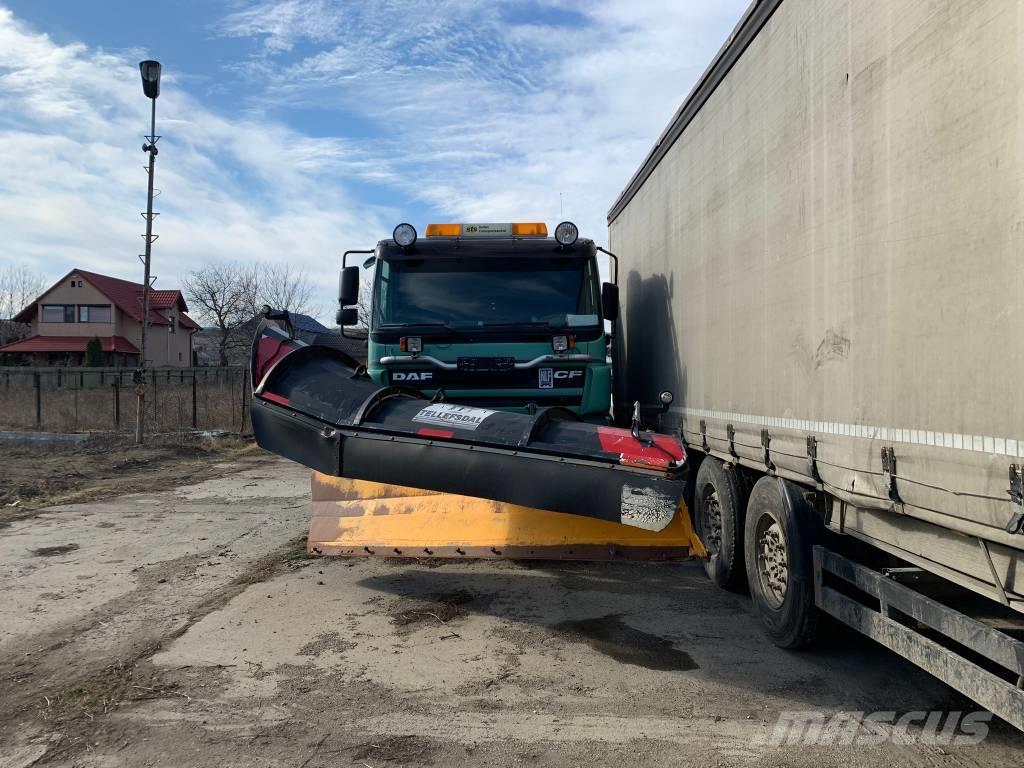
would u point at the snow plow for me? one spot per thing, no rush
(354, 518)
(317, 406)
(479, 423)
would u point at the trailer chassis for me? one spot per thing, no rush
(934, 636)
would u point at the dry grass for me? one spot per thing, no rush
(438, 608)
(39, 475)
(397, 749)
(100, 693)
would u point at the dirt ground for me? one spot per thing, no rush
(38, 475)
(186, 626)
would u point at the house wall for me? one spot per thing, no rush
(163, 348)
(64, 293)
(174, 349)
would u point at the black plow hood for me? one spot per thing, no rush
(317, 406)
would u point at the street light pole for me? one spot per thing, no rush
(151, 87)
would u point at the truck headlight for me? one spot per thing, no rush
(405, 235)
(412, 344)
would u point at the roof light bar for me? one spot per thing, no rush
(530, 229)
(510, 229)
(444, 230)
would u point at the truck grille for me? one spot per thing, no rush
(543, 379)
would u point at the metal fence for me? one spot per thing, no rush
(87, 399)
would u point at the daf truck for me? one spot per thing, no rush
(823, 258)
(492, 315)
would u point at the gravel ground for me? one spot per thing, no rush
(187, 627)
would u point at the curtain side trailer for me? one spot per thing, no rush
(822, 258)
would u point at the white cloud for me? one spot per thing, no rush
(73, 184)
(490, 116)
(473, 110)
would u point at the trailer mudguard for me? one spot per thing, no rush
(318, 407)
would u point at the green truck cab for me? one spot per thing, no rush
(493, 315)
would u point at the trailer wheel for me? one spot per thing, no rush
(718, 517)
(780, 529)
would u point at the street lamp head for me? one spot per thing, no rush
(150, 78)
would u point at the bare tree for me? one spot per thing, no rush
(365, 304)
(223, 296)
(19, 287)
(229, 296)
(283, 286)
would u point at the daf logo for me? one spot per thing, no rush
(412, 376)
(568, 374)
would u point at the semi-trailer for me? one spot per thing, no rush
(822, 259)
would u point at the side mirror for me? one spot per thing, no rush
(610, 301)
(347, 316)
(348, 287)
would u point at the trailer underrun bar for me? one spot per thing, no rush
(318, 407)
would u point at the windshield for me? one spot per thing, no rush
(478, 293)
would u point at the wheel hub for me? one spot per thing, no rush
(712, 523)
(772, 561)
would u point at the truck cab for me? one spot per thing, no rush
(493, 315)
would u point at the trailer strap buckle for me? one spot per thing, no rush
(812, 457)
(1016, 491)
(730, 433)
(889, 473)
(766, 441)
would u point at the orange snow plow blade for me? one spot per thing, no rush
(353, 518)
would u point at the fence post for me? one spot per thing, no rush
(195, 423)
(241, 425)
(117, 404)
(39, 400)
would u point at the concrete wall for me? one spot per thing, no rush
(834, 247)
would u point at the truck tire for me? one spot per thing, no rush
(718, 496)
(779, 531)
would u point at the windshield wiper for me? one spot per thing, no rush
(446, 326)
(412, 325)
(530, 324)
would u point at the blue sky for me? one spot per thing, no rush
(296, 129)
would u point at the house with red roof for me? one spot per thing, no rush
(85, 305)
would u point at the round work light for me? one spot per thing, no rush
(566, 233)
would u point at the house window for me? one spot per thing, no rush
(94, 313)
(58, 313)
